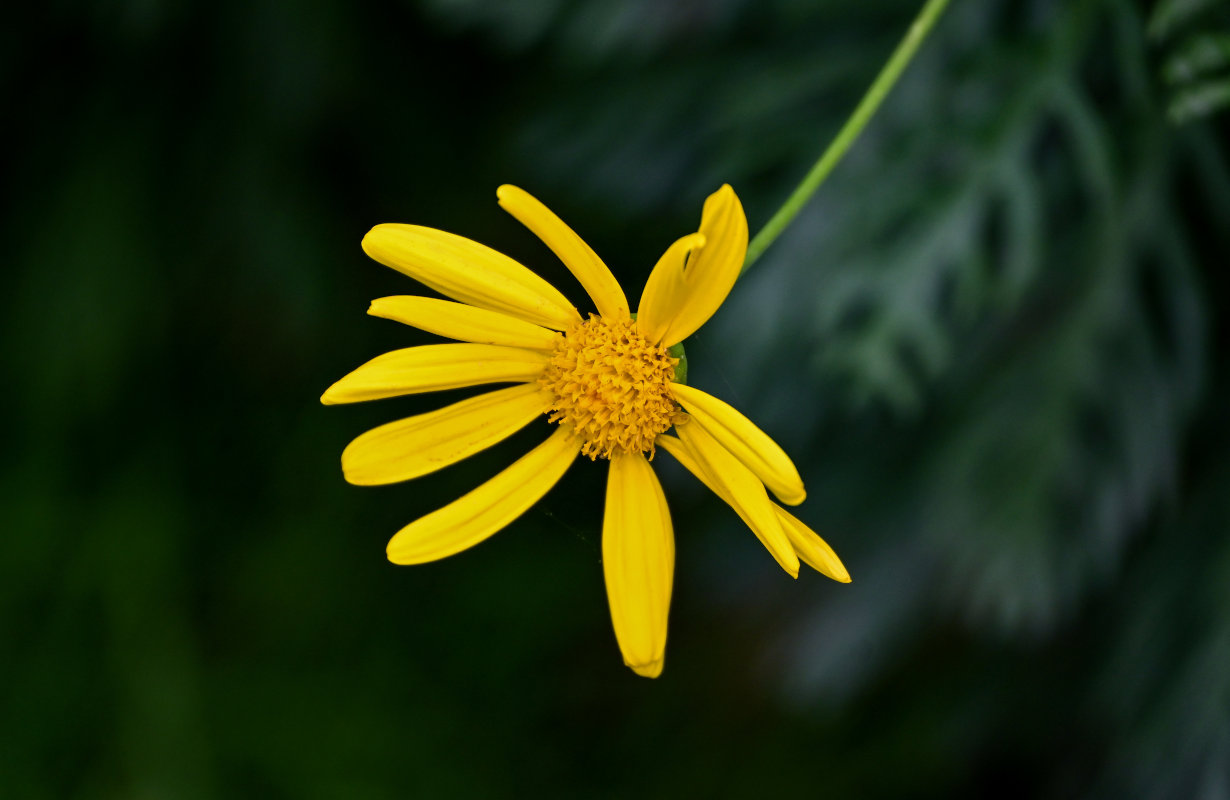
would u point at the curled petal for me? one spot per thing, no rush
(666, 289)
(683, 296)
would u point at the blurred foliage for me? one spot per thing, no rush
(995, 344)
(1198, 66)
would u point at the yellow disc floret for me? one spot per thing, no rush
(612, 386)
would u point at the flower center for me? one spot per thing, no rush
(612, 386)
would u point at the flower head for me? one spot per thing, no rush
(610, 382)
(612, 386)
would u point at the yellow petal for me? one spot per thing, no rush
(638, 559)
(473, 517)
(666, 289)
(684, 297)
(726, 477)
(571, 249)
(470, 272)
(748, 443)
(464, 323)
(434, 367)
(811, 548)
(425, 443)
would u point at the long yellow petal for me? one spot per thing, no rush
(813, 550)
(492, 506)
(666, 289)
(749, 444)
(434, 367)
(464, 323)
(422, 444)
(684, 297)
(571, 249)
(726, 477)
(470, 272)
(638, 559)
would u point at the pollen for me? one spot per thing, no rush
(612, 386)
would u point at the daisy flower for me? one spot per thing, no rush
(612, 382)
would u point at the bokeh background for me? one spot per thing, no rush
(995, 343)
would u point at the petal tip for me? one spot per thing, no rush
(793, 498)
(369, 241)
(353, 476)
(651, 670)
(395, 555)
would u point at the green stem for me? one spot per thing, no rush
(849, 132)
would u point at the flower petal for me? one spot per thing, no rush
(684, 297)
(666, 289)
(807, 545)
(726, 477)
(434, 367)
(638, 559)
(463, 323)
(571, 249)
(422, 444)
(470, 272)
(492, 506)
(811, 548)
(749, 444)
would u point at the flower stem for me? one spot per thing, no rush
(849, 132)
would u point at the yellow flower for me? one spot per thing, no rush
(608, 380)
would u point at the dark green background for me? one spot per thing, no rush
(995, 344)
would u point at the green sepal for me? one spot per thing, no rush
(681, 369)
(676, 351)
